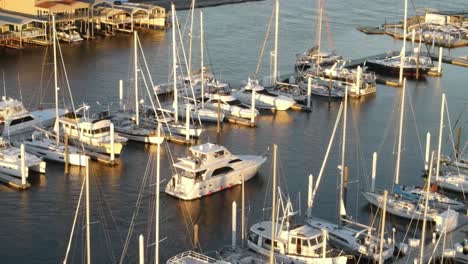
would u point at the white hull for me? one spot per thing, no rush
(103, 148)
(140, 135)
(295, 259)
(15, 169)
(280, 103)
(56, 155)
(204, 115)
(216, 184)
(454, 182)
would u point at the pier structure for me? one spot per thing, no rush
(15, 30)
(29, 21)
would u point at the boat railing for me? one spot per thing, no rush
(190, 254)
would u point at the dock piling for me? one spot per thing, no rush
(374, 170)
(187, 122)
(426, 156)
(234, 224)
(23, 165)
(252, 112)
(141, 249)
(309, 91)
(120, 92)
(112, 150)
(218, 119)
(67, 156)
(195, 237)
(439, 64)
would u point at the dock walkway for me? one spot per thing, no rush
(13, 182)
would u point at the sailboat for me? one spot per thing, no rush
(348, 235)
(11, 161)
(402, 64)
(315, 55)
(128, 124)
(47, 145)
(284, 241)
(404, 207)
(264, 99)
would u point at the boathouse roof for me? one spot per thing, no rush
(13, 18)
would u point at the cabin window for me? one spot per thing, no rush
(253, 238)
(235, 161)
(199, 174)
(293, 240)
(268, 242)
(21, 120)
(319, 240)
(219, 153)
(221, 171)
(305, 243)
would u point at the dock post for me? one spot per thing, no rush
(310, 190)
(195, 237)
(120, 92)
(324, 243)
(358, 80)
(67, 156)
(88, 227)
(141, 249)
(309, 91)
(252, 109)
(374, 171)
(439, 65)
(234, 225)
(426, 156)
(413, 34)
(23, 165)
(112, 150)
(382, 231)
(243, 213)
(187, 122)
(218, 119)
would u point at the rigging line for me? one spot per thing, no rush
(135, 213)
(74, 222)
(149, 93)
(410, 101)
(453, 143)
(267, 35)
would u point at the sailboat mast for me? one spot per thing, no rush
(275, 59)
(426, 204)
(158, 170)
(439, 145)
(191, 41)
(88, 227)
(137, 110)
(202, 63)
(319, 40)
(174, 62)
(403, 50)
(343, 149)
(54, 32)
(273, 207)
(402, 112)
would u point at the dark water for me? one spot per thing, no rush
(35, 224)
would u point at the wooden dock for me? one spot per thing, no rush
(460, 61)
(300, 108)
(13, 182)
(178, 139)
(238, 120)
(106, 159)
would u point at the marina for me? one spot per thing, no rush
(189, 138)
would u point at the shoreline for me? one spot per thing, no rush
(185, 4)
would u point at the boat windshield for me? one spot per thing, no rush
(237, 103)
(191, 175)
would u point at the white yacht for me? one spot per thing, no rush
(297, 244)
(69, 33)
(211, 168)
(16, 119)
(10, 160)
(452, 180)
(357, 242)
(124, 124)
(263, 98)
(42, 145)
(228, 103)
(92, 134)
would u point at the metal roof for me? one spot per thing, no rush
(10, 18)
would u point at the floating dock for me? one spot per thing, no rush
(106, 159)
(238, 120)
(460, 61)
(178, 139)
(13, 182)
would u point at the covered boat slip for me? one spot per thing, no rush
(17, 29)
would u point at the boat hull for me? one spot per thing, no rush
(74, 157)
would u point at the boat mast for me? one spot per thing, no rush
(135, 61)
(190, 42)
(158, 170)
(403, 50)
(402, 112)
(341, 207)
(54, 32)
(174, 62)
(426, 204)
(439, 146)
(202, 63)
(319, 40)
(275, 59)
(88, 227)
(273, 207)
